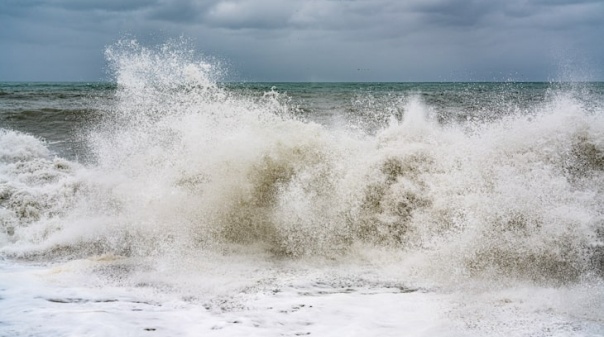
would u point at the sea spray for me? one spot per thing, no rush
(183, 165)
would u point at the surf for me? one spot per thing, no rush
(183, 166)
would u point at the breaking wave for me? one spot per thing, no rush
(182, 164)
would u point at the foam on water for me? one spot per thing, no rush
(195, 187)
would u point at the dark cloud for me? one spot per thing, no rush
(178, 11)
(31, 8)
(16, 8)
(455, 13)
(259, 14)
(307, 40)
(104, 5)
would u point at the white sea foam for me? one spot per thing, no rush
(202, 199)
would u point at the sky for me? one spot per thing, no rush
(314, 40)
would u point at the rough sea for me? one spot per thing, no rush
(169, 203)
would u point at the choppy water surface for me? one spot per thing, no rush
(175, 204)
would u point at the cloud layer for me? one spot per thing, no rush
(316, 40)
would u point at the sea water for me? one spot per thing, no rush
(169, 203)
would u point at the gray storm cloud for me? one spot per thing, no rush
(298, 40)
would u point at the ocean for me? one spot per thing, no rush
(166, 202)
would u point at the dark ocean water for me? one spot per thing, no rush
(60, 113)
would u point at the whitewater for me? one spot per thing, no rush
(207, 210)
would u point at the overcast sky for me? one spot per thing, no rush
(315, 40)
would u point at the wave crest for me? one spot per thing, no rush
(184, 165)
